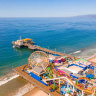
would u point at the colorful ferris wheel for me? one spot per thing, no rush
(38, 58)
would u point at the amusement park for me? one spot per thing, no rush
(57, 73)
(65, 75)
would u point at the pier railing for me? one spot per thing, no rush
(35, 47)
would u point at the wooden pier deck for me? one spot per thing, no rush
(35, 47)
(36, 83)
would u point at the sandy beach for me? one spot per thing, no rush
(18, 86)
(93, 59)
(36, 92)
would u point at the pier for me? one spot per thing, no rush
(35, 47)
(23, 73)
(30, 45)
(36, 83)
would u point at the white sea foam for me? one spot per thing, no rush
(86, 53)
(6, 80)
(77, 51)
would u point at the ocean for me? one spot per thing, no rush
(74, 35)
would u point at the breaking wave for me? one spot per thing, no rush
(6, 80)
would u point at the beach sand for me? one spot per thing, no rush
(36, 92)
(15, 87)
(19, 87)
(93, 59)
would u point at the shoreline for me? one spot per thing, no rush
(7, 80)
(91, 57)
(16, 87)
(8, 77)
(12, 75)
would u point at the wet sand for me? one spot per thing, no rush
(36, 92)
(18, 87)
(15, 87)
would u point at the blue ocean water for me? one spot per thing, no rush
(65, 34)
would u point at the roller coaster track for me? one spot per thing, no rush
(75, 85)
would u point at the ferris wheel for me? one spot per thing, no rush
(38, 58)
